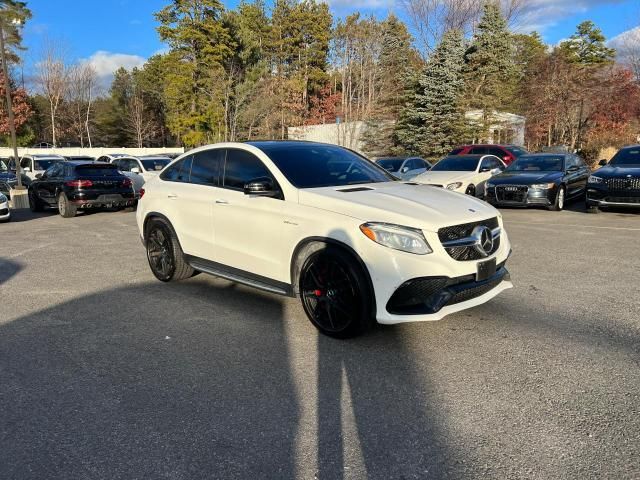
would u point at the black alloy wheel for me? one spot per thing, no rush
(333, 294)
(164, 254)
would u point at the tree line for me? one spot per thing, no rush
(251, 72)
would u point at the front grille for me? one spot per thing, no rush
(623, 184)
(623, 199)
(512, 193)
(457, 232)
(4, 211)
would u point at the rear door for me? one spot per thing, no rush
(45, 187)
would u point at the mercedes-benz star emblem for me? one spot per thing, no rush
(484, 239)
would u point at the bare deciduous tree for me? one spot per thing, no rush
(139, 123)
(81, 93)
(52, 79)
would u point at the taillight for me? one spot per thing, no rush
(79, 183)
(141, 192)
(126, 182)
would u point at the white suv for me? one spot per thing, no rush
(323, 223)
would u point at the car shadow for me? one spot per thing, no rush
(8, 268)
(25, 215)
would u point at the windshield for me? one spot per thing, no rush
(531, 163)
(92, 170)
(390, 164)
(45, 164)
(626, 158)
(310, 166)
(154, 165)
(456, 164)
(517, 151)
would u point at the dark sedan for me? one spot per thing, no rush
(616, 183)
(539, 179)
(70, 186)
(8, 179)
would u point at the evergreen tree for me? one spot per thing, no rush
(397, 62)
(587, 46)
(432, 122)
(490, 66)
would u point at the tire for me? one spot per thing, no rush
(560, 200)
(471, 190)
(334, 293)
(34, 204)
(165, 256)
(65, 208)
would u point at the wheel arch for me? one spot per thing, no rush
(301, 252)
(150, 216)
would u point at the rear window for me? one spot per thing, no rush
(97, 170)
(456, 151)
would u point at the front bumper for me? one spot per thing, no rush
(603, 197)
(520, 196)
(390, 270)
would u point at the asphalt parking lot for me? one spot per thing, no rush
(106, 373)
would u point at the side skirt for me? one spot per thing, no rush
(240, 276)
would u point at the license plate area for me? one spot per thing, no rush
(486, 270)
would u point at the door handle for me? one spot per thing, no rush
(221, 201)
(172, 195)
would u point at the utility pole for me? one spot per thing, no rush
(7, 90)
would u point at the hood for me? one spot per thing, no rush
(419, 206)
(525, 178)
(443, 178)
(609, 171)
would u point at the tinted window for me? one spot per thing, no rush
(390, 164)
(414, 164)
(517, 151)
(206, 166)
(533, 163)
(456, 151)
(178, 172)
(25, 162)
(478, 150)
(626, 157)
(315, 165)
(497, 152)
(44, 164)
(154, 165)
(456, 164)
(97, 170)
(55, 170)
(241, 167)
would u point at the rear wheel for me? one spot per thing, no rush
(558, 204)
(34, 204)
(334, 293)
(164, 253)
(65, 208)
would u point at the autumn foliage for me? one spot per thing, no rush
(22, 110)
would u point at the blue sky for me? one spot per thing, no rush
(122, 32)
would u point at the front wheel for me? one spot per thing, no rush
(66, 208)
(558, 204)
(164, 253)
(334, 293)
(34, 204)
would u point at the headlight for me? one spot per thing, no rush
(453, 186)
(401, 238)
(3, 198)
(543, 186)
(594, 179)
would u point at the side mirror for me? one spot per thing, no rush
(496, 171)
(602, 162)
(38, 176)
(261, 187)
(26, 169)
(135, 170)
(484, 169)
(573, 169)
(404, 170)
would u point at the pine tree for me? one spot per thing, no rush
(432, 122)
(396, 63)
(587, 46)
(490, 66)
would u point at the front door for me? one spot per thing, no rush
(249, 228)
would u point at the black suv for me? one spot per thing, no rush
(616, 183)
(70, 186)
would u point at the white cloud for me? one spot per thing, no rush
(105, 63)
(626, 38)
